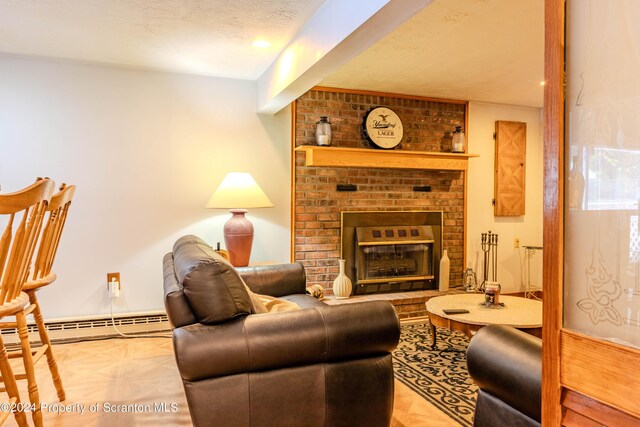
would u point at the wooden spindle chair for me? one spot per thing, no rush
(21, 215)
(6, 411)
(43, 276)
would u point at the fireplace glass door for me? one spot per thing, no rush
(395, 261)
(394, 255)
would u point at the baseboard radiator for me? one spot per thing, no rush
(73, 330)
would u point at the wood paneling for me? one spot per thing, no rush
(510, 158)
(601, 370)
(575, 419)
(387, 159)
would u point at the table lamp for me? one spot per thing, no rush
(238, 192)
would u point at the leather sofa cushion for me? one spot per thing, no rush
(213, 288)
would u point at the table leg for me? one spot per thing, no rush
(433, 334)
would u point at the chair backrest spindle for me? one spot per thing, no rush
(58, 209)
(17, 248)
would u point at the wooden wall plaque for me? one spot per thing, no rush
(509, 168)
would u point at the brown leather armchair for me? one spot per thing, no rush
(318, 366)
(506, 365)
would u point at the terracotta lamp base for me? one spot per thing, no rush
(238, 237)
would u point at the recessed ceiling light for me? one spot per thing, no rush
(542, 83)
(261, 43)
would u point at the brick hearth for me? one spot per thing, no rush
(407, 304)
(317, 203)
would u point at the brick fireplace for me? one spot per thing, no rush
(319, 192)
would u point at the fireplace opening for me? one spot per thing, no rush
(391, 251)
(398, 252)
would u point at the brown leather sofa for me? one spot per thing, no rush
(506, 365)
(318, 366)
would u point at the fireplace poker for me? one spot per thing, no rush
(495, 257)
(489, 245)
(485, 260)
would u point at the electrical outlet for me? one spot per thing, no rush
(113, 284)
(113, 277)
(516, 242)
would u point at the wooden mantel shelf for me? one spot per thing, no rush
(390, 159)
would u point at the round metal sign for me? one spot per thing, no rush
(383, 127)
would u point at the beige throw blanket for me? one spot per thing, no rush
(269, 304)
(316, 291)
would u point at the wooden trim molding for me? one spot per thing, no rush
(388, 159)
(553, 195)
(293, 183)
(392, 95)
(581, 411)
(466, 186)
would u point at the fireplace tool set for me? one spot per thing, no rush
(489, 245)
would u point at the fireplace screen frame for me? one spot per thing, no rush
(350, 220)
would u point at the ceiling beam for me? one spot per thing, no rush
(338, 32)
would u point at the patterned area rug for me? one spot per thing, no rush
(440, 376)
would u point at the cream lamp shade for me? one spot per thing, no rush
(238, 192)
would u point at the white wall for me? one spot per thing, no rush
(480, 218)
(146, 150)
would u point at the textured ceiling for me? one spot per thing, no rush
(209, 37)
(483, 50)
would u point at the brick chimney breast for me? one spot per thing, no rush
(428, 125)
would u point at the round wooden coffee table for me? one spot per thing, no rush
(521, 313)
